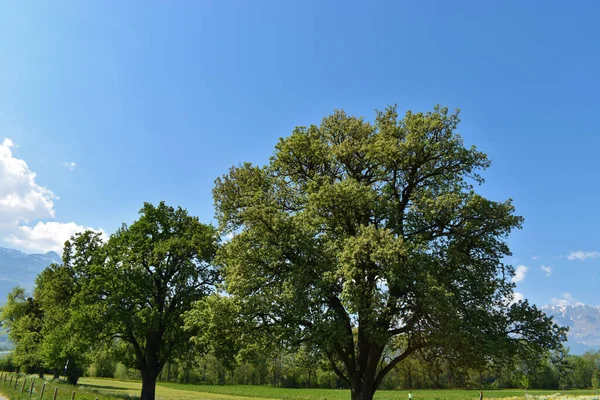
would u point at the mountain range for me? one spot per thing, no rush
(18, 268)
(584, 325)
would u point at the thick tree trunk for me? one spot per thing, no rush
(150, 365)
(73, 372)
(149, 384)
(363, 393)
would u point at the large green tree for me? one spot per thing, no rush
(367, 239)
(136, 287)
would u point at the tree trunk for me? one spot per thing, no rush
(364, 393)
(73, 372)
(149, 383)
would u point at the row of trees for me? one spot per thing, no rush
(553, 370)
(364, 243)
(303, 369)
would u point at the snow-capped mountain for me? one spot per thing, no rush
(584, 325)
(18, 268)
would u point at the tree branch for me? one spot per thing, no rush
(409, 350)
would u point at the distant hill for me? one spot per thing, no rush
(584, 325)
(18, 268)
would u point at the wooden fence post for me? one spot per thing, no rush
(42, 393)
(73, 395)
(23, 387)
(10, 383)
(16, 382)
(31, 388)
(55, 393)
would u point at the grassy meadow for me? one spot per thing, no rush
(112, 389)
(333, 394)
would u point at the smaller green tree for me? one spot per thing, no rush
(596, 379)
(64, 348)
(564, 369)
(22, 318)
(136, 287)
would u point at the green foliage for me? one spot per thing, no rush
(130, 294)
(357, 234)
(136, 288)
(65, 348)
(564, 368)
(104, 361)
(22, 318)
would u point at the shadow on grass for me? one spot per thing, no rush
(108, 391)
(100, 388)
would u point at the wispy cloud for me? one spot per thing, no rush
(582, 255)
(515, 297)
(547, 270)
(535, 258)
(566, 300)
(71, 165)
(520, 272)
(518, 297)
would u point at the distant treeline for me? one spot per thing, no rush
(304, 370)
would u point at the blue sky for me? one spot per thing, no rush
(115, 103)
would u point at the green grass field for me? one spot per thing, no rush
(112, 389)
(332, 394)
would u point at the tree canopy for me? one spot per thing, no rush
(136, 287)
(22, 318)
(366, 239)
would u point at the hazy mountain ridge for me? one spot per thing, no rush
(18, 268)
(583, 321)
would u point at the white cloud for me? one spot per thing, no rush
(46, 236)
(560, 302)
(24, 202)
(535, 258)
(547, 270)
(71, 165)
(520, 272)
(582, 255)
(514, 298)
(518, 297)
(21, 198)
(566, 300)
